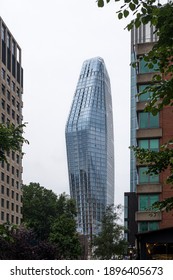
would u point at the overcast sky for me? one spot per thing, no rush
(56, 36)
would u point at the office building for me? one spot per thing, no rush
(90, 146)
(11, 89)
(148, 132)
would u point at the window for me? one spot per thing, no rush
(7, 217)
(146, 95)
(18, 119)
(3, 118)
(3, 89)
(147, 178)
(8, 167)
(12, 194)
(8, 179)
(145, 69)
(147, 120)
(12, 206)
(8, 40)
(2, 215)
(8, 109)
(3, 103)
(7, 204)
(146, 226)
(3, 33)
(13, 86)
(2, 189)
(2, 176)
(13, 155)
(17, 196)
(13, 100)
(17, 159)
(17, 173)
(149, 144)
(12, 169)
(146, 201)
(3, 74)
(8, 95)
(8, 80)
(12, 219)
(13, 47)
(2, 202)
(13, 114)
(7, 191)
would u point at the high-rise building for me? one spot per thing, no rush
(148, 132)
(11, 89)
(90, 146)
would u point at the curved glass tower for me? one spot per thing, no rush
(90, 146)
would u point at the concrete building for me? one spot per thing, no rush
(90, 146)
(11, 90)
(148, 132)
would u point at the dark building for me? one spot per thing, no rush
(131, 206)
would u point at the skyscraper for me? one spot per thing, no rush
(90, 146)
(148, 132)
(11, 89)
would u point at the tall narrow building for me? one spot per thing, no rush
(90, 146)
(11, 89)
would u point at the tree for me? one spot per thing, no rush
(110, 243)
(11, 139)
(63, 230)
(53, 219)
(39, 209)
(161, 88)
(22, 244)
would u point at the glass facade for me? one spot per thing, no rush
(90, 146)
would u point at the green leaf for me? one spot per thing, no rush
(120, 15)
(137, 23)
(100, 3)
(126, 13)
(132, 6)
(136, 2)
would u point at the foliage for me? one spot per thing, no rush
(110, 244)
(53, 218)
(39, 209)
(161, 87)
(22, 244)
(11, 139)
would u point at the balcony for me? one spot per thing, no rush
(144, 48)
(148, 188)
(148, 216)
(149, 133)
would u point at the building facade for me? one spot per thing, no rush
(11, 89)
(90, 146)
(148, 132)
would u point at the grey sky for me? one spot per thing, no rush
(56, 36)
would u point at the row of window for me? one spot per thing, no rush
(15, 117)
(6, 217)
(8, 94)
(10, 205)
(10, 44)
(12, 194)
